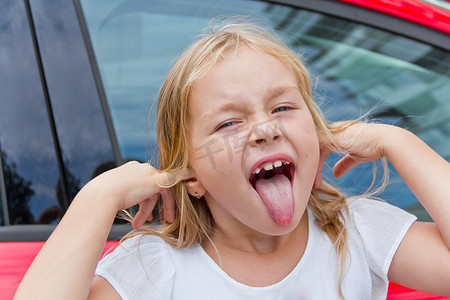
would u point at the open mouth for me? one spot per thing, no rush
(273, 183)
(269, 170)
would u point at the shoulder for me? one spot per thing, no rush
(139, 267)
(142, 249)
(378, 216)
(146, 244)
(378, 227)
(375, 230)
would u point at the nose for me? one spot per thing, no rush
(265, 132)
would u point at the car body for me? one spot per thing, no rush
(77, 79)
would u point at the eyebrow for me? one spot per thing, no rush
(230, 106)
(280, 90)
(238, 106)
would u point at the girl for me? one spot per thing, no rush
(242, 146)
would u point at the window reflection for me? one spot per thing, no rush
(18, 193)
(135, 42)
(29, 162)
(2, 220)
(81, 129)
(359, 68)
(2, 197)
(354, 68)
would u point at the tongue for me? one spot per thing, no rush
(276, 193)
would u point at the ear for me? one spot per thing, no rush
(195, 188)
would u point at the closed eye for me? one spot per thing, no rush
(282, 108)
(226, 124)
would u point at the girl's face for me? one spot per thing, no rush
(253, 143)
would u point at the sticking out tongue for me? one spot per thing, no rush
(276, 193)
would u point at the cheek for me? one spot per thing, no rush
(217, 153)
(315, 149)
(313, 153)
(307, 145)
(312, 138)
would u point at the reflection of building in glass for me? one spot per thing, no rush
(407, 80)
(18, 193)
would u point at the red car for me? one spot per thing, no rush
(77, 78)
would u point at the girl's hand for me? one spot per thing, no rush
(361, 142)
(65, 272)
(136, 183)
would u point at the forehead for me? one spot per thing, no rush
(242, 73)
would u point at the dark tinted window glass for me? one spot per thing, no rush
(80, 124)
(354, 69)
(3, 204)
(2, 219)
(29, 165)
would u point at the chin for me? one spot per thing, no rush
(275, 229)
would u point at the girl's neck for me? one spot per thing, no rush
(256, 243)
(257, 259)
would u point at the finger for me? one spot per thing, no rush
(145, 210)
(168, 205)
(166, 179)
(344, 165)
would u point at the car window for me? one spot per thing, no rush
(361, 70)
(135, 43)
(29, 164)
(354, 68)
(82, 134)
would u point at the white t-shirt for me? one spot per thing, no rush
(145, 267)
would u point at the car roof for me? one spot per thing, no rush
(420, 12)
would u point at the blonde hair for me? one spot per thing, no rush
(193, 221)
